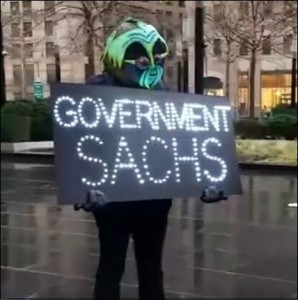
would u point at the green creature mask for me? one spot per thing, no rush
(135, 52)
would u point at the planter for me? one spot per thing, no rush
(41, 129)
(15, 128)
(267, 151)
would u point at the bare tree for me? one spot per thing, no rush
(94, 21)
(87, 24)
(220, 28)
(17, 47)
(256, 26)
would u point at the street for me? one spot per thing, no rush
(243, 248)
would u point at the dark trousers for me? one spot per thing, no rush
(146, 223)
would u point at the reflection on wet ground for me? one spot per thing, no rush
(243, 248)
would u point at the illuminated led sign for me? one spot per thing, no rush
(140, 145)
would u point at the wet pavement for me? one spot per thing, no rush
(243, 248)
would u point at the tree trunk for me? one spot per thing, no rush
(90, 66)
(252, 76)
(227, 79)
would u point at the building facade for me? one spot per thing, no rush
(42, 43)
(273, 60)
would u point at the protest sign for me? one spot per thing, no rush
(136, 144)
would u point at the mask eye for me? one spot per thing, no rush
(158, 59)
(142, 62)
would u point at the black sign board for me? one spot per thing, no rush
(139, 145)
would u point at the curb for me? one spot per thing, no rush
(48, 158)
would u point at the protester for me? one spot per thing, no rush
(134, 57)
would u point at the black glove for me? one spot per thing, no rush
(94, 200)
(211, 195)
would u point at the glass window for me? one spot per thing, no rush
(266, 45)
(288, 40)
(29, 71)
(244, 8)
(49, 28)
(27, 7)
(243, 101)
(276, 89)
(16, 50)
(17, 75)
(28, 50)
(14, 7)
(27, 29)
(182, 3)
(51, 73)
(49, 7)
(276, 80)
(243, 51)
(217, 47)
(50, 49)
(217, 12)
(15, 29)
(243, 80)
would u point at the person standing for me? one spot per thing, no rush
(134, 57)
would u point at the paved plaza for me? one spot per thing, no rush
(243, 248)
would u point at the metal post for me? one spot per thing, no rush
(185, 82)
(293, 81)
(179, 76)
(3, 82)
(57, 64)
(199, 49)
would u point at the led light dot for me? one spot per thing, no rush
(223, 164)
(72, 113)
(181, 159)
(110, 119)
(123, 114)
(164, 117)
(224, 111)
(81, 114)
(145, 163)
(123, 147)
(92, 160)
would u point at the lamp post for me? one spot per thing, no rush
(199, 48)
(195, 45)
(2, 71)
